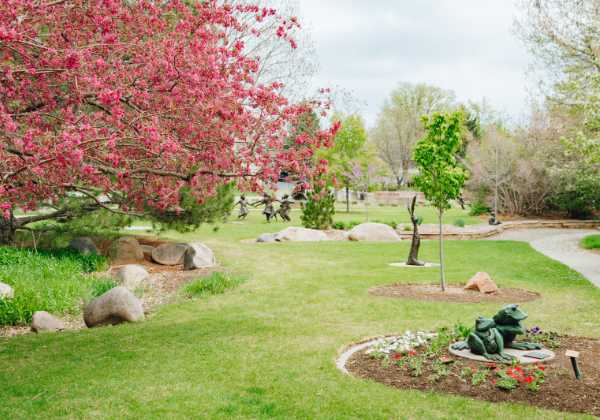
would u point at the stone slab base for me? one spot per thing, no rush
(520, 355)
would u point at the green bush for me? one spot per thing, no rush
(459, 223)
(578, 194)
(215, 284)
(591, 242)
(478, 208)
(52, 281)
(318, 211)
(340, 225)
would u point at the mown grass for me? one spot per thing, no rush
(52, 281)
(591, 242)
(266, 349)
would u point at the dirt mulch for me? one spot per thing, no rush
(453, 294)
(560, 391)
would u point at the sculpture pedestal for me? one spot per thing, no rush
(520, 355)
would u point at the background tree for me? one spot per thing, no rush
(440, 176)
(349, 146)
(399, 125)
(139, 108)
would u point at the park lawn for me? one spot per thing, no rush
(591, 242)
(266, 349)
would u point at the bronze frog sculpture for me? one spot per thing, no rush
(492, 336)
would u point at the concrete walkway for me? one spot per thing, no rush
(561, 245)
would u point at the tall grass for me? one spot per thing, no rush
(215, 284)
(52, 281)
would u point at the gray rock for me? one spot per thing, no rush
(44, 322)
(6, 292)
(114, 307)
(298, 234)
(267, 237)
(147, 250)
(169, 254)
(375, 232)
(197, 256)
(84, 246)
(132, 276)
(337, 235)
(126, 250)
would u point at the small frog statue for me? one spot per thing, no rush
(487, 341)
(493, 335)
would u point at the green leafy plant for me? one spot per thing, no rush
(591, 242)
(215, 284)
(462, 331)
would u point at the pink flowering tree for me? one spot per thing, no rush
(128, 104)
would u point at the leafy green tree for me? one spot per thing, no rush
(348, 148)
(441, 177)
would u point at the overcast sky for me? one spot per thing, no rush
(468, 46)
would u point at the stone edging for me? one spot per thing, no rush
(485, 231)
(346, 352)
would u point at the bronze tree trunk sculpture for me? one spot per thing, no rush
(413, 257)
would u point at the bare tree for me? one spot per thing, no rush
(399, 124)
(564, 37)
(279, 61)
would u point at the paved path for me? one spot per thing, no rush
(561, 245)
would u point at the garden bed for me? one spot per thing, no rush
(453, 294)
(551, 385)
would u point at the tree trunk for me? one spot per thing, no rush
(8, 228)
(347, 199)
(413, 257)
(442, 275)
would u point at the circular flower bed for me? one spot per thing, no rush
(422, 361)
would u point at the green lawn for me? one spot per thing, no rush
(266, 349)
(591, 242)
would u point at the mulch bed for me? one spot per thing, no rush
(453, 294)
(560, 391)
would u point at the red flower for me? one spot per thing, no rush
(528, 379)
(412, 353)
(542, 368)
(397, 356)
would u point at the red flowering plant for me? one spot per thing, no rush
(128, 103)
(511, 378)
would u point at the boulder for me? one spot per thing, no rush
(147, 250)
(132, 276)
(337, 235)
(483, 283)
(44, 322)
(126, 250)
(84, 246)
(169, 254)
(297, 234)
(375, 232)
(267, 237)
(114, 307)
(197, 256)
(6, 292)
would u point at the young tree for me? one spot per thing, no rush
(399, 124)
(348, 146)
(440, 176)
(140, 107)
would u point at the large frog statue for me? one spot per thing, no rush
(508, 323)
(492, 336)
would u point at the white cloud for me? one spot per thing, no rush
(468, 46)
